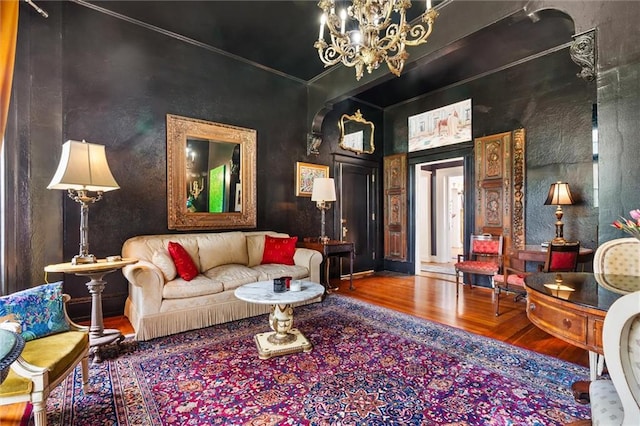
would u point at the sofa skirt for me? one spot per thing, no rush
(166, 323)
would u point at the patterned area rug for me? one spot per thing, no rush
(369, 366)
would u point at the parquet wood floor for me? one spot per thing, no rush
(429, 296)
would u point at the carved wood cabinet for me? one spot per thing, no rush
(500, 180)
(395, 207)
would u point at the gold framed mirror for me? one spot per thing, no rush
(356, 133)
(211, 175)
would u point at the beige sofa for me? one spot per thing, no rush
(159, 307)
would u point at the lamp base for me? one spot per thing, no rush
(81, 259)
(558, 240)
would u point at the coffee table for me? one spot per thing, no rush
(284, 339)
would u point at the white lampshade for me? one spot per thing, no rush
(323, 190)
(559, 194)
(83, 166)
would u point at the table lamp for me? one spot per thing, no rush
(559, 195)
(83, 169)
(324, 191)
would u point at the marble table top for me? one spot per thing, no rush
(11, 344)
(262, 292)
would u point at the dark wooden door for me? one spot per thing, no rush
(355, 210)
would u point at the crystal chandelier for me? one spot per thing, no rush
(370, 32)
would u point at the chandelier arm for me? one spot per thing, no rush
(419, 34)
(390, 40)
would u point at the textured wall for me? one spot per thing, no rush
(117, 83)
(546, 98)
(81, 74)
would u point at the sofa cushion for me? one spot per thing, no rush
(255, 249)
(185, 266)
(39, 310)
(275, 270)
(222, 249)
(199, 286)
(279, 250)
(162, 259)
(232, 276)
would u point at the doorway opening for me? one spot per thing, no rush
(439, 215)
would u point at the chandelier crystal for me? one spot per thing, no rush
(370, 32)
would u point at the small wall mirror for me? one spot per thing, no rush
(211, 175)
(356, 133)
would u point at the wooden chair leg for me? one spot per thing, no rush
(85, 375)
(498, 289)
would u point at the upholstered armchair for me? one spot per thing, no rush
(484, 258)
(54, 346)
(617, 401)
(561, 257)
(620, 256)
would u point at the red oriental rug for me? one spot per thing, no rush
(369, 366)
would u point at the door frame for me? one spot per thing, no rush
(462, 150)
(376, 187)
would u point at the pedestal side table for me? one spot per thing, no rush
(284, 339)
(98, 336)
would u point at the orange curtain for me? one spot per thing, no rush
(8, 37)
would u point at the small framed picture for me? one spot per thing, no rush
(305, 174)
(238, 206)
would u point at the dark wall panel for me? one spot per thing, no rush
(545, 97)
(119, 82)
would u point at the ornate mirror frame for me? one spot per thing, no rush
(350, 137)
(179, 129)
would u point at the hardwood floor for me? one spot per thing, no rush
(432, 297)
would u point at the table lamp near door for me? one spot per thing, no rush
(323, 193)
(559, 195)
(84, 172)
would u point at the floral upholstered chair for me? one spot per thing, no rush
(560, 258)
(54, 346)
(617, 401)
(484, 258)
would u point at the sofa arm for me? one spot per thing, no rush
(145, 286)
(310, 259)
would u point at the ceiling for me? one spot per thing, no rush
(279, 36)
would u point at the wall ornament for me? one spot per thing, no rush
(583, 53)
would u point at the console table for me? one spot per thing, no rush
(332, 248)
(98, 336)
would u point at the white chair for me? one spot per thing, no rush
(45, 361)
(617, 401)
(620, 256)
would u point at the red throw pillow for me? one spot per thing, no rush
(279, 250)
(184, 264)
